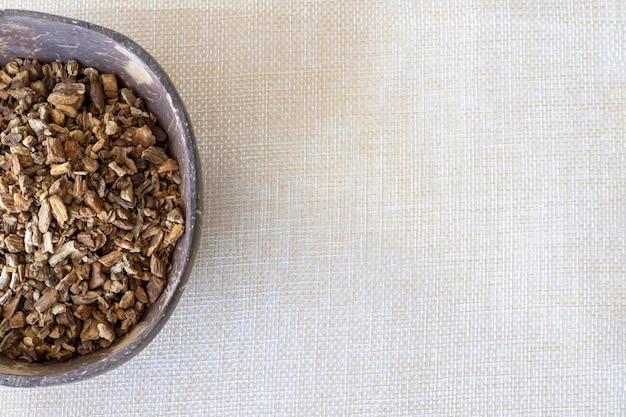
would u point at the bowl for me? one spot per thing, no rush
(46, 37)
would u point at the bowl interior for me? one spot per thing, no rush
(46, 37)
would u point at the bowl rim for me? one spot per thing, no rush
(195, 208)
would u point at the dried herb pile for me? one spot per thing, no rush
(89, 205)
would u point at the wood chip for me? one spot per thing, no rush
(10, 339)
(16, 281)
(155, 155)
(113, 286)
(58, 187)
(47, 245)
(127, 95)
(96, 91)
(46, 300)
(168, 166)
(127, 194)
(14, 243)
(109, 85)
(90, 331)
(84, 310)
(124, 224)
(56, 332)
(157, 267)
(91, 165)
(144, 137)
(11, 260)
(155, 243)
(55, 154)
(69, 88)
(80, 187)
(127, 300)
(66, 99)
(58, 209)
(94, 201)
(177, 231)
(65, 251)
(154, 288)
(18, 320)
(21, 203)
(38, 271)
(141, 296)
(117, 169)
(60, 169)
(57, 117)
(7, 203)
(67, 110)
(86, 239)
(44, 216)
(105, 332)
(58, 309)
(6, 297)
(9, 308)
(111, 258)
(5, 278)
(176, 216)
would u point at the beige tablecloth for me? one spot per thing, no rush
(413, 208)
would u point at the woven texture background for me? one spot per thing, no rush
(413, 208)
